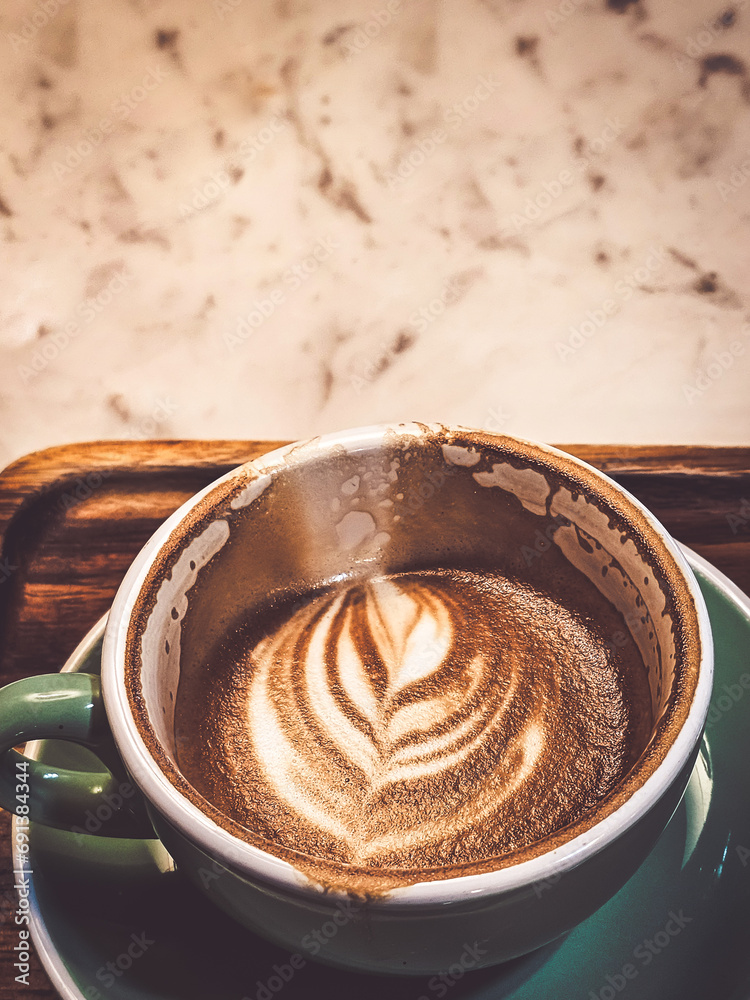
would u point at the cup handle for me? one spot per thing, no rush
(66, 706)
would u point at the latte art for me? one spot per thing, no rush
(421, 720)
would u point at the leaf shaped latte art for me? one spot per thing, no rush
(424, 719)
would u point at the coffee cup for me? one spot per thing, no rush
(469, 677)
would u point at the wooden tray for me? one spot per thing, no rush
(73, 518)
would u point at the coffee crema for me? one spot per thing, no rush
(419, 720)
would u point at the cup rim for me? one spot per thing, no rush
(254, 863)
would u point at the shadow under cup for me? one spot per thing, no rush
(405, 498)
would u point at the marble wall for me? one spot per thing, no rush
(249, 218)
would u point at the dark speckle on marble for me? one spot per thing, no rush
(496, 241)
(18, 167)
(654, 40)
(239, 225)
(701, 160)
(419, 40)
(403, 341)
(208, 305)
(526, 48)
(721, 62)
(682, 258)
(332, 36)
(343, 195)
(727, 19)
(526, 45)
(700, 347)
(379, 365)
(138, 236)
(116, 403)
(326, 384)
(60, 37)
(619, 6)
(463, 281)
(325, 179)
(166, 39)
(706, 284)
(99, 277)
(639, 141)
(346, 198)
(115, 188)
(710, 285)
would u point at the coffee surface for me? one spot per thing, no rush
(418, 720)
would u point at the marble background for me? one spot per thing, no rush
(274, 218)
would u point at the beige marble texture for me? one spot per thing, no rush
(246, 218)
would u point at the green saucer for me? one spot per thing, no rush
(112, 919)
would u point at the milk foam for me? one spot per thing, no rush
(420, 719)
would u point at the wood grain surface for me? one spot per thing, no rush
(73, 518)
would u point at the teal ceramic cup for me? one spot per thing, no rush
(305, 513)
